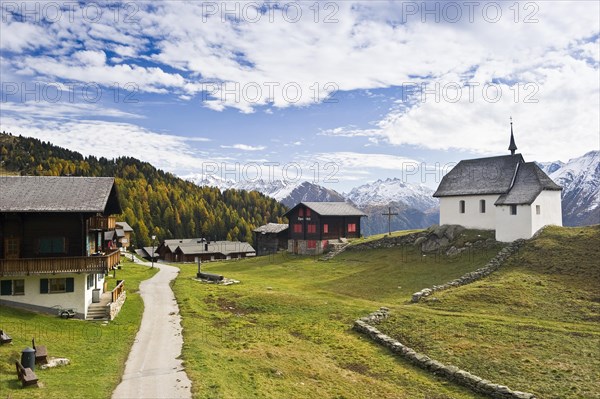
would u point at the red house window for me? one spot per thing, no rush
(312, 244)
(351, 227)
(325, 228)
(298, 228)
(307, 212)
(301, 212)
(312, 228)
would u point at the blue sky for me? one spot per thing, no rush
(360, 90)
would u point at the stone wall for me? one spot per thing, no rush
(115, 307)
(451, 373)
(489, 268)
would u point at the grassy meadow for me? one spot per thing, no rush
(285, 330)
(97, 352)
(534, 325)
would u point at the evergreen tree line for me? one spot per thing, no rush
(154, 202)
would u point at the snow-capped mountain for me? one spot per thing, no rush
(288, 193)
(307, 191)
(416, 208)
(550, 167)
(383, 192)
(580, 180)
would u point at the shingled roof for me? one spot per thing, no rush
(330, 209)
(58, 194)
(271, 228)
(480, 176)
(223, 247)
(124, 226)
(529, 183)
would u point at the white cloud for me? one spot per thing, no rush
(245, 147)
(559, 105)
(111, 140)
(181, 47)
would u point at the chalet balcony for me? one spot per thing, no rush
(103, 223)
(73, 264)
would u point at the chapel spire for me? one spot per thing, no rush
(512, 147)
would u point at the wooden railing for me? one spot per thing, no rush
(75, 264)
(102, 223)
(116, 293)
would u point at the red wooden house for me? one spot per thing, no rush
(313, 224)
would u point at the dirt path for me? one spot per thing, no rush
(153, 369)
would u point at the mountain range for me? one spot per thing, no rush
(414, 203)
(580, 180)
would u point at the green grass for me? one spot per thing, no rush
(533, 325)
(380, 236)
(97, 352)
(285, 331)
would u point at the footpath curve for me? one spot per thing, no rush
(153, 368)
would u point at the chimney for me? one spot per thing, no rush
(206, 247)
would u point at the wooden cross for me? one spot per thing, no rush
(389, 215)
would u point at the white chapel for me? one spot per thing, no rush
(502, 193)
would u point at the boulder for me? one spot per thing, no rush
(453, 230)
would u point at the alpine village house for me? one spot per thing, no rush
(502, 193)
(313, 225)
(53, 253)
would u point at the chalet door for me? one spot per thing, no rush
(12, 248)
(295, 246)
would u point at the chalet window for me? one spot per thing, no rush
(325, 228)
(461, 206)
(307, 212)
(53, 285)
(538, 210)
(52, 245)
(12, 287)
(312, 244)
(481, 206)
(57, 285)
(6, 287)
(513, 209)
(90, 280)
(312, 228)
(298, 228)
(301, 212)
(12, 248)
(18, 287)
(351, 227)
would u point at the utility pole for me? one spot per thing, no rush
(389, 215)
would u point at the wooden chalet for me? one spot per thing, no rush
(192, 249)
(54, 251)
(270, 238)
(314, 224)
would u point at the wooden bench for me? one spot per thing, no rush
(26, 375)
(41, 353)
(4, 338)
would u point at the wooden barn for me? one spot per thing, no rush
(313, 224)
(270, 238)
(192, 249)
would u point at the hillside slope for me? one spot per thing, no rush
(534, 324)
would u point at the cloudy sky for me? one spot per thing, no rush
(342, 92)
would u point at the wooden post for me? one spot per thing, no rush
(389, 214)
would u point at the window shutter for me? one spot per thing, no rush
(43, 286)
(70, 284)
(6, 287)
